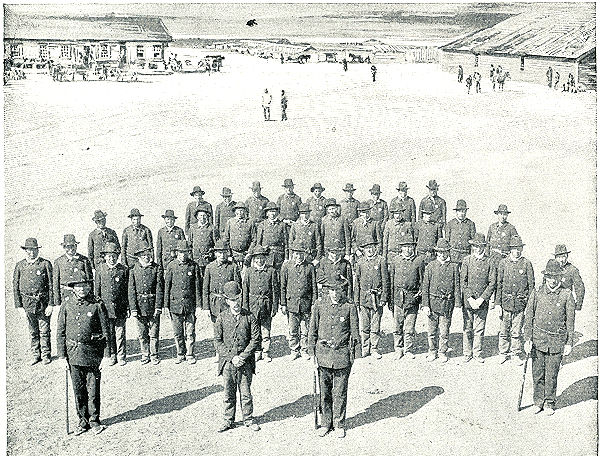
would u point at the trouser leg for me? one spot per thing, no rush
(399, 327)
(294, 329)
(229, 392)
(143, 335)
(538, 374)
(340, 396)
(93, 388)
(553, 361)
(190, 333)
(245, 382)
(154, 330)
(468, 315)
(479, 319)
(112, 341)
(304, 324)
(410, 320)
(326, 384)
(376, 327)
(177, 321)
(505, 330)
(44, 323)
(34, 333)
(365, 329)
(79, 381)
(432, 332)
(120, 338)
(265, 327)
(516, 333)
(444, 328)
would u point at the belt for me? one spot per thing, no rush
(448, 296)
(260, 296)
(146, 295)
(500, 252)
(549, 332)
(276, 247)
(459, 250)
(37, 295)
(331, 344)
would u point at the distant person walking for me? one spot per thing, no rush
(493, 77)
(549, 76)
(460, 74)
(281, 59)
(266, 104)
(477, 78)
(284, 101)
(373, 71)
(556, 79)
(571, 83)
(469, 82)
(345, 64)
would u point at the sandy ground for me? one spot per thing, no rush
(71, 148)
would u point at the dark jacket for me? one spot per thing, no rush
(410, 212)
(335, 233)
(439, 209)
(96, 241)
(441, 287)
(32, 285)
(514, 283)
(477, 278)
(289, 206)
(406, 277)
(298, 286)
(183, 287)
(261, 292)
(190, 215)
(371, 280)
(135, 238)
(111, 285)
(458, 235)
(223, 212)
(203, 239)
(164, 241)
(215, 276)
(146, 289)
(341, 271)
(366, 231)
(274, 236)
(67, 270)
(236, 337)
(308, 235)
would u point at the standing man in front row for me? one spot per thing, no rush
(549, 328)
(237, 337)
(183, 294)
(32, 287)
(333, 338)
(81, 338)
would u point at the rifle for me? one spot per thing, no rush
(522, 383)
(67, 397)
(316, 394)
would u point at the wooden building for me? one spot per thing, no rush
(528, 44)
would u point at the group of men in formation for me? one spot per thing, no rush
(330, 267)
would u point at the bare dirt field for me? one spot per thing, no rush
(71, 148)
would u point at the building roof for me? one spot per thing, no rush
(565, 33)
(108, 28)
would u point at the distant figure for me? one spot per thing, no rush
(469, 82)
(460, 74)
(549, 76)
(345, 64)
(373, 71)
(493, 77)
(492, 71)
(571, 83)
(251, 23)
(281, 59)
(477, 78)
(501, 78)
(283, 106)
(556, 79)
(266, 104)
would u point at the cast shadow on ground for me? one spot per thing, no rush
(164, 405)
(395, 406)
(584, 350)
(580, 391)
(297, 409)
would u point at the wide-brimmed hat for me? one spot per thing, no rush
(331, 202)
(69, 239)
(202, 208)
(183, 246)
(78, 282)
(335, 249)
(397, 206)
(169, 213)
(226, 192)
(196, 189)
(561, 249)
(31, 243)
(364, 206)
(317, 185)
(110, 247)
(375, 189)
(442, 245)
(288, 183)
(232, 290)
(432, 185)
(553, 268)
(367, 242)
(255, 186)
(221, 246)
(515, 241)
(271, 206)
(259, 250)
(402, 186)
(427, 207)
(240, 205)
(461, 205)
(135, 212)
(478, 239)
(99, 215)
(304, 207)
(502, 209)
(349, 188)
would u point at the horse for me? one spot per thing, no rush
(501, 78)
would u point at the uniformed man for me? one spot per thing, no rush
(256, 204)
(260, 295)
(427, 232)
(100, 236)
(237, 338)
(499, 235)
(289, 204)
(298, 295)
(478, 282)
(146, 294)
(216, 275)
(396, 229)
(111, 285)
(372, 290)
(32, 288)
(190, 211)
(81, 338)
(272, 233)
(183, 295)
(239, 234)
(69, 267)
(334, 268)
(349, 205)
(515, 283)
(365, 229)
(317, 203)
(379, 208)
(406, 272)
(549, 328)
(439, 205)
(168, 235)
(459, 231)
(224, 211)
(441, 293)
(202, 239)
(134, 236)
(570, 279)
(335, 231)
(333, 340)
(306, 232)
(410, 214)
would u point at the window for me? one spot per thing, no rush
(140, 51)
(157, 51)
(476, 60)
(65, 51)
(104, 51)
(43, 51)
(522, 63)
(16, 50)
